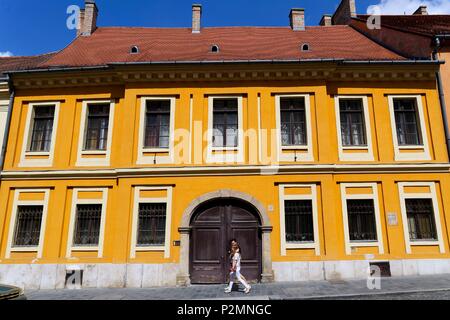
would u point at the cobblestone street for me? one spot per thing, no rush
(423, 287)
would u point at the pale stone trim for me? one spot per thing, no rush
(24, 162)
(405, 156)
(311, 196)
(437, 217)
(75, 201)
(237, 155)
(134, 229)
(16, 203)
(360, 156)
(93, 162)
(283, 156)
(160, 159)
(376, 203)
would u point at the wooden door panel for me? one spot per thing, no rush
(207, 263)
(248, 238)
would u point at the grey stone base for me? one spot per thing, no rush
(53, 276)
(355, 269)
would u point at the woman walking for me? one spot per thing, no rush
(235, 270)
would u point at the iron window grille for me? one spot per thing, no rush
(421, 224)
(28, 226)
(97, 127)
(157, 124)
(352, 122)
(225, 123)
(361, 220)
(293, 122)
(299, 221)
(87, 225)
(41, 136)
(407, 122)
(152, 224)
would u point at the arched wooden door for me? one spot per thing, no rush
(213, 226)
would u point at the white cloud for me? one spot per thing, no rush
(401, 7)
(6, 54)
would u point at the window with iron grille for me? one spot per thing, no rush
(421, 222)
(87, 225)
(41, 135)
(152, 224)
(157, 124)
(407, 122)
(293, 122)
(97, 127)
(352, 122)
(299, 221)
(225, 123)
(361, 220)
(28, 226)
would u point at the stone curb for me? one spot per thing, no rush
(366, 294)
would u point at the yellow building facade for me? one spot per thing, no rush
(264, 175)
(140, 175)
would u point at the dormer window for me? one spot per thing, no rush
(134, 50)
(215, 48)
(305, 47)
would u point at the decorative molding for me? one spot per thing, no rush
(349, 244)
(437, 216)
(75, 201)
(225, 170)
(326, 70)
(315, 216)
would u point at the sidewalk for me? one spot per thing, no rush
(272, 291)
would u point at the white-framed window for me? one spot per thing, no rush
(87, 220)
(39, 139)
(294, 127)
(225, 136)
(152, 215)
(420, 215)
(156, 130)
(96, 132)
(361, 216)
(299, 225)
(408, 127)
(353, 128)
(28, 220)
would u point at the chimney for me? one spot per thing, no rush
(196, 18)
(297, 17)
(421, 11)
(326, 20)
(88, 18)
(345, 11)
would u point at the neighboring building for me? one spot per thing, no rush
(136, 154)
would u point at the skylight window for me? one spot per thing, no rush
(215, 48)
(305, 47)
(134, 50)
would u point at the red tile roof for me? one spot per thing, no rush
(112, 45)
(424, 24)
(22, 63)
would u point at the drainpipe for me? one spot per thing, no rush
(442, 96)
(8, 122)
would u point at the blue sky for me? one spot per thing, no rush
(37, 26)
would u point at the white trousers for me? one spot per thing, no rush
(237, 274)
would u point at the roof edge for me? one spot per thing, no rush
(337, 61)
